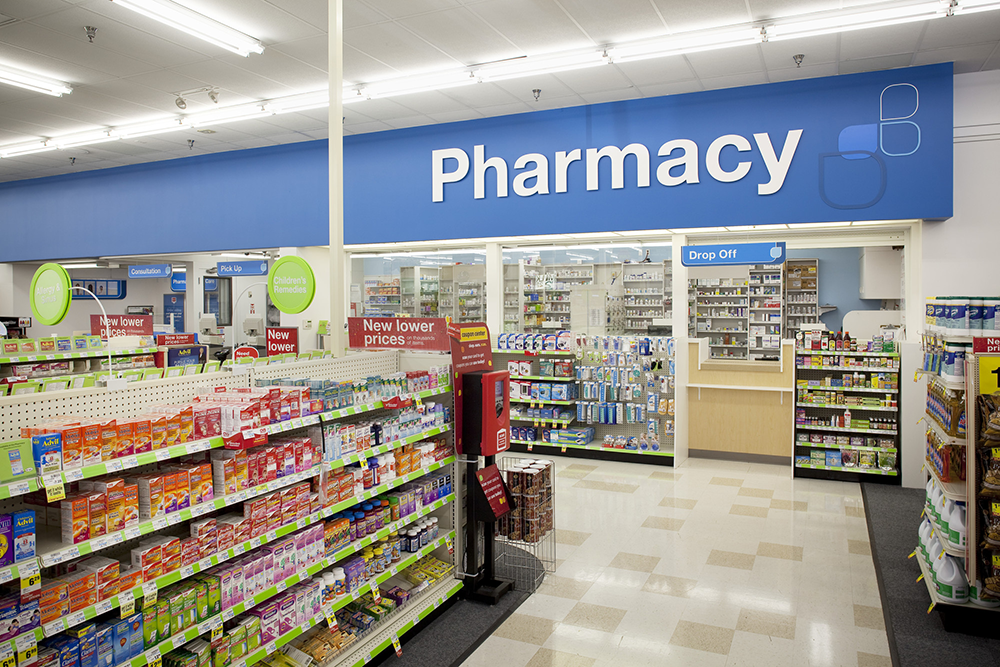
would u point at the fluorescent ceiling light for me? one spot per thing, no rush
(535, 66)
(846, 21)
(26, 149)
(686, 43)
(817, 225)
(229, 115)
(195, 24)
(755, 228)
(872, 223)
(304, 102)
(29, 81)
(975, 6)
(153, 127)
(85, 265)
(85, 139)
(698, 230)
(417, 84)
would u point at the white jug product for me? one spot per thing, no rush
(977, 598)
(928, 497)
(946, 510)
(956, 526)
(937, 502)
(951, 583)
(924, 537)
(933, 553)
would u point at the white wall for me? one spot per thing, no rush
(960, 254)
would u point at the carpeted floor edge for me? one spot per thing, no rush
(883, 596)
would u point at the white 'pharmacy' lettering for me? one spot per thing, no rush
(680, 166)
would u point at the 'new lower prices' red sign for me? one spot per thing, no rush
(121, 325)
(398, 333)
(282, 340)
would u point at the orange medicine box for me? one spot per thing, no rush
(173, 429)
(82, 601)
(106, 570)
(130, 577)
(157, 431)
(109, 439)
(224, 476)
(98, 513)
(151, 491)
(147, 558)
(80, 582)
(75, 511)
(142, 436)
(182, 488)
(54, 612)
(114, 492)
(72, 443)
(131, 507)
(54, 591)
(206, 491)
(125, 444)
(255, 508)
(91, 442)
(186, 414)
(170, 552)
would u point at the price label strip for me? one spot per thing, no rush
(7, 655)
(31, 576)
(395, 645)
(126, 603)
(54, 488)
(27, 649)
(376, 594)
(149, 594)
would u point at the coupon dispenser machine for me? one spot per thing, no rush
(485, 433)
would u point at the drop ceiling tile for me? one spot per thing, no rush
(15, 94)
(873, 64)
(386, 109)
(454, 116)
(397, 9)
(593, 79)
(70, 114)
(254, 142)
(295, 122)
(610, 22)
(681, 16)
(765, 10)
(40, 125)
(545, 103)
(482, 94)
(966, 58)
(993, 62)
(506, 109)
(522, 88)
(312, 12)
(735, 80)
(51, 66)
(411, 121)
(612, 96)
(279, 67)
(804, 72)
(236, 79)
(354, 115)
(534, 26)
(311, 50)
(322, 115)
(398, 48)
(462, 35)
(258, 18)
(661, 89)
(359, 67)
(737, 60)
(114, 38)
(960, 30)
(432, 102)
(320, 134)
(31, 37)
(657, 70)
(26, 9)
(373, 126)
(289, 138)
(889, 40)
(817, 50)
(113, 11)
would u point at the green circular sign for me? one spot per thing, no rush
(50, 294)
(291, 284)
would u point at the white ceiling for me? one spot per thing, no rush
(135, 66)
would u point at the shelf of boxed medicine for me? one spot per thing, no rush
(855, 390)
(543, 377)
(873, 369)
(952, 490)
(857, 448)
(538, 401)
(62, 356)
(113, 466)
(187, 571)
(865, 471)
(438, 593)
(152, 655)
(541, 422)
(844, 429)
(841, 406)
(564, 446)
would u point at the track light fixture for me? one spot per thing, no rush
(181, 102)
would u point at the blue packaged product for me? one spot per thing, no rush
(23, 535)
(135, 621)
(46, 449)
(123, 641)
(10, 627)
(29, 615)
(87, 636)
(68, 650)
(105, 645)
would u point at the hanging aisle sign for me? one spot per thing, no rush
(150, 271)
(257, 267)
(291, 284)
(731, 254)
(50, 294)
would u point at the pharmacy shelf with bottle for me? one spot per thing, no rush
(847, 407)
(612, 398)
(720, 312)
(646, 289)
(218, 534)
(382, 296)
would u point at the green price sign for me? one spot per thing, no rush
(50, 294)
(291, 284)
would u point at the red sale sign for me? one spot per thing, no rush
(121, 325)
(281, 340)
(398, 333)
(246, 352)
(986, 345)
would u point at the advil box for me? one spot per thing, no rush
(23, 527)
(47, 452)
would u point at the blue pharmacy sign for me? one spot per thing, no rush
(178, 282)
(257, 267)
(150, 271)
(730, 254)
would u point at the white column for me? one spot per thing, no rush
(680, 329)
(7, 292)
(339, 266)
(494, 288)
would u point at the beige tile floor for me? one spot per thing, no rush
(712, 563)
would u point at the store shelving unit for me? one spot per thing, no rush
(513, 298)
(46, 365)
(16, 412)
(419, 291)
(823, 436)
(801, 291)
(546, 290)
(647, 290)
(462, 292)
(720, 312)
(382, 296)
(766, 310)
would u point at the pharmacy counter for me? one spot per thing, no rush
(741, 410)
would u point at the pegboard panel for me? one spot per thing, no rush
(19, 411)
(350, 367)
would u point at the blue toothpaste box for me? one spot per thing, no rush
(87, 636)
(23, 535)
(123, 641)
(47, 452)
(105, 645)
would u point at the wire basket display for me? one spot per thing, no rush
(525, 538)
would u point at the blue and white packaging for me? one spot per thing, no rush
(23, 535)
